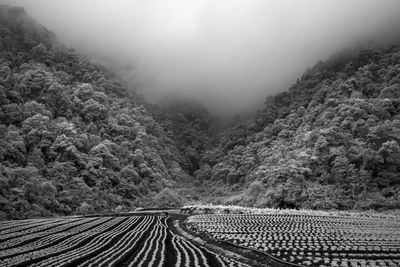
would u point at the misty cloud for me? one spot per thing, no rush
(228, 54)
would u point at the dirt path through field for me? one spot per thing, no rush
(240, 254)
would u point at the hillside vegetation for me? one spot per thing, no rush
(330, 142)
(74, 138)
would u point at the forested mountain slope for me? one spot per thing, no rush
(72, 138)
(331, 141)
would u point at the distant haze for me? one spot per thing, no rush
(227, 54)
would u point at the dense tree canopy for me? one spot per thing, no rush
(74, 138)
(331, 141)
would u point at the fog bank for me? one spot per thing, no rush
(227, 54)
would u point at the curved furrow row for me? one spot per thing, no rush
(102, 258)
(121, 241)
(155, 247)
(61, 247)
(189, 251)
(193, 256)
(158, 258)
(142, 255)
(18, 225)
(201, 256)
(164, 229)
(36, 228)
(48, 239)
(186, 258)
(40, 239)
(124, 251)
(178, 252)
(94, 246)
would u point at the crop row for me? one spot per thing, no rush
(32, 228)
(309, 240)
(43, 239)
(106, 241)
(6, 225)
(36, 236)
(28, 254)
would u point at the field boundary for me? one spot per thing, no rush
(200, 242)
(242, 254)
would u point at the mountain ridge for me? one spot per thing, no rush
(330, 142)
(75, 138)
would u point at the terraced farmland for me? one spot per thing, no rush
(101, 241)
(309, 240)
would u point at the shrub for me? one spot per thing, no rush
(167, 198)
(84, 209)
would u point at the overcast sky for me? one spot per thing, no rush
(228, 54)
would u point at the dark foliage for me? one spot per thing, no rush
(331, 141)
(72, 137)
